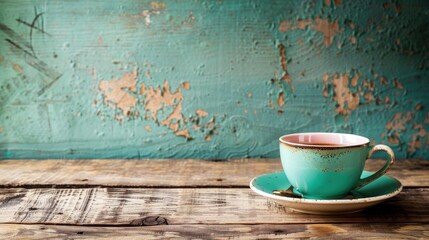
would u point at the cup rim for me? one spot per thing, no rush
(365, 141)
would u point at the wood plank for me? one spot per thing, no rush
(189, 172)
(150, 206)
(263, 231)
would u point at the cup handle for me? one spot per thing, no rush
(380, 147)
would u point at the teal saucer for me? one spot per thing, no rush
(376, 192)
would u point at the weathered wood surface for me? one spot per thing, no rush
(162, 199)
(177, 206)
(174, 173)
(263, 231)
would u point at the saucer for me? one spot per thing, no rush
(376, 192)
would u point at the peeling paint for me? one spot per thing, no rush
(350, 90)
(123, 94)
(156, 9)
(418, 138)
(325, 26)
(281, 99)
(400, 124)
(283, 63)
(115, 92)
(259, 69)
(201, 113)
(396, 126)
(329, 29)
(158, 6)
(347, 100)
(156, 99)
(17, 68)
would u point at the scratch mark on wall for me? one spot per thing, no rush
(32, 26)
(23, 49)
(20, 41)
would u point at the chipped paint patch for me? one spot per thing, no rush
(116, 92)
(17, 68)
(347, 100)
(329, 29)
(325, 26)
(156, 99)
(283, 64)
(349, 90)
(419, 139)
(1, 59)
(402, 123)
(286, 26)
(201, 113)
(156, 8)
(397, 126)
(281, 99)
(122, 94)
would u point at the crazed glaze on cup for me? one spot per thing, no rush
(328, 165)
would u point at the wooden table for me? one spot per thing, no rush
(186, 199)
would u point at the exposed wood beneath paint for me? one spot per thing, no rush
(168, 173)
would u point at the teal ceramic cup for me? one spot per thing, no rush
(328, 165)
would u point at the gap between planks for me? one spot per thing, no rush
(165, 173)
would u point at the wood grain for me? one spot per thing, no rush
(168, 173)
(263, 231)
(176, 206)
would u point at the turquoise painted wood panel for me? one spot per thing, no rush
(209, 79)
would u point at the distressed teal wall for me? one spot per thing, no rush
(209, 79)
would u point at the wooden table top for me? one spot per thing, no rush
(162, 199)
